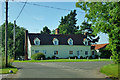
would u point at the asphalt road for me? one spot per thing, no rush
(60, 70)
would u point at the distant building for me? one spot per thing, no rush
(97, 47)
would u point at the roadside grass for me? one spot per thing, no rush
(64, 60)
(6, 70)
(111, 70)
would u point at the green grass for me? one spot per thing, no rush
(111, 70)
(6, 70)
(64, 60)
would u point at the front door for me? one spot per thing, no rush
(78, 54)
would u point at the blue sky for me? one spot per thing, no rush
(34, 18)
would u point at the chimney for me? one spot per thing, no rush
(85, 34)
(57, 31)
(26, 44)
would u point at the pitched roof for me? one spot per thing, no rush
(47, 39)
(99, 46)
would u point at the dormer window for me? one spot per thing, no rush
(36, 41)
(55, 41)
(85, 42)
(70, 41)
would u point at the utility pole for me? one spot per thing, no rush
(14, 39)
(6, 38)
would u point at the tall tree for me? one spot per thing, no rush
(68, 23)
(19, 40)
(105, 16)
(87, 28)
(46, 30)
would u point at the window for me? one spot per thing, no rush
(85, 42)
(70, 41)
(70, 52)
(78, 52)
(55, 41)
(55, 52)
(86, 52)
(92, 52)
(36, 51)
(44, 51)
(36, 41)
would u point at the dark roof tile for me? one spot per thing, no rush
(47, 39)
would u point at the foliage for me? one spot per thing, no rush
(105, 18)
(46, 30)
(105, 53)
(48, 58)
(19, 40)
(81, 57)
(53, 31)
(38, 56)
(87, 28)
(90, 57)
(68, 24)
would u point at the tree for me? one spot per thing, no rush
(68, 23)
(46, 30)
(53, 31)
(20, 38)
(105, 18)
(87, 28)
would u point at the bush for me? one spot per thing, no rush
(81, 57)
(90, 57)
(48, 58)
(53, 57)
(38, 56)
(96, 56)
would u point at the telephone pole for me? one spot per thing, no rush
(6, 38)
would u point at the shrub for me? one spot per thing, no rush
(48, 58)
(53, 57)
(81, 57)
(90, 57)
(96, 56)
(38, 56)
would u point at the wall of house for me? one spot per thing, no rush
(63, 50)
(29, 49)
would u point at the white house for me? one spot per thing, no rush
(59, 45)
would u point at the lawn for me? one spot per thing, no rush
(64, 60)
(6, 70)
(111, 70)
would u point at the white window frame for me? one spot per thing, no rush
(85, 42)
(55, 40)
(37, 40)
(70, 41)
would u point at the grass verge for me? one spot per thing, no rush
(64, 60)
(6, 70)
(111, 70)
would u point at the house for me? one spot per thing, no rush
(97, 47)
(59, 45)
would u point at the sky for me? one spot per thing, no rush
(34, 18)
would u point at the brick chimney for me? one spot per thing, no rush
(57, 31)
(85, 34)
(26, 44)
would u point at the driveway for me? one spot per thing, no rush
(60, 70)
